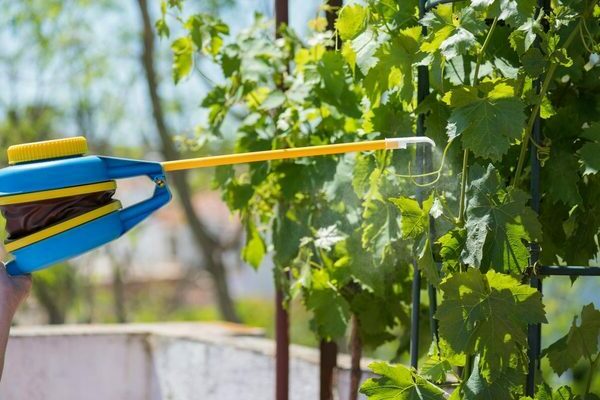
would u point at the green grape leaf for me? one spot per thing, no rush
(376, 225)
(435, 369)
(182, 58)
(331, 69)
(590, 155)
(435, 123)
(488, 314)
(452, 244)
(512, 11)
(287, 233)
(400, 383)
(373, 313)
(162, 28)
(362, 171)
(560, 175)
(482, 3)
(477, 387)
(393, 69)
(580, 342)
(533, 62)
(497, 224)
(255, 249)
(351, 21)
(524, 36)
(487, 125)
(390, 120)
(331, 310)
(365, 47)
(545, 392)
(414, 219)
(426, 262)
(448, 35)
(327, 237)
(230, 60)
(403, 13)
(592, 132)
(414, 223)
(335, 90)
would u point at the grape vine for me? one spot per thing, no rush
(346, 232)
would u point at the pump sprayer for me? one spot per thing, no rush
(58, 203)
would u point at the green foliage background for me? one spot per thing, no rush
(347, 232)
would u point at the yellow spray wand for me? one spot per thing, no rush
(310, 151)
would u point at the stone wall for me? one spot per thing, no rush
(153, 362)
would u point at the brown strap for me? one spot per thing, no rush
(27, 218)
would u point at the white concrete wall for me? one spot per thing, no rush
(151, 362)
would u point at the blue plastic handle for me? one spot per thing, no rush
(119, 168)
(131, 216)
(13, 269)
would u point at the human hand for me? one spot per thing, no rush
(13, 290)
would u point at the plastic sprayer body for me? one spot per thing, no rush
(36, 181)
(58, 203)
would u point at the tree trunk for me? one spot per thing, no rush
(119, 293)
(210, 247)
(56, 314)
(356, 354)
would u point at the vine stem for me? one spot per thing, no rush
(481, 51)
(536, 108)
(466, 372)
(465, 164)
(463, 188)
(588, 384)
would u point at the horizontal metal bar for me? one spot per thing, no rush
(434, 3)
(558, 270)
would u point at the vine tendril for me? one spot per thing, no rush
(437, 173)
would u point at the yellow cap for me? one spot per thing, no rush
(46, 150)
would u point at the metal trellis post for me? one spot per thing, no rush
(535, 331)
(422, 91)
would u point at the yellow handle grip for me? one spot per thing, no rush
(310, 151)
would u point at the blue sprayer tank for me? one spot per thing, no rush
(55, 168)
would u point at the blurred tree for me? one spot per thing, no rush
(119, 263)
(209, 246)
(26, 124)
(56, 290)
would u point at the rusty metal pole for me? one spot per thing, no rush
(327, 365)
(329, 349)
(282, 357)
(281, 14)
(355, 357)
(282, 318)
(332, 14)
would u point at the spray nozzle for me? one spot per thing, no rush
(401, 143)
